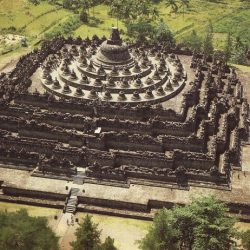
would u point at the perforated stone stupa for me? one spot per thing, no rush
(113, 52)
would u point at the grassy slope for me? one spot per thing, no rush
(227, 15)
(29, 20)
(103, 28)
(34, 21)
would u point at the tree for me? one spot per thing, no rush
(161, 234)
(136, 14)
(239, 54)
(193, 41)
(67, 4)
(173, 5)
(19, 231)
(203, 224)
(85, 4)
(84, 16)
(35, 2)
(163, 33)
(24, 42)
(245, 239)
(87, 235)
(213, 229)
(176, 5)
(140, 30)
(117, 10)
(228, 48)
(184, 4)
(108, 244)
(208, 40)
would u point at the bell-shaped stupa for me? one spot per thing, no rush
(113, 52)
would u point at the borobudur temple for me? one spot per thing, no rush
(111, 114)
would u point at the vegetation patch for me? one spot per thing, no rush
(65, 28)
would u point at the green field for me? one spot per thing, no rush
(32, 210)
(33, 21)
(226, 16)
(36, 22)
(103, 28)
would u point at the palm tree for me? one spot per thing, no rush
(183, 4)
(173, 5)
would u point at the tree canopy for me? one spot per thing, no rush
(207, 47)
(108, 244)
(19, 231)
(203, 224)
(245, 239)
(163, 33)
(175, 5)
(193, 41)
(88, 237)
(137, 15)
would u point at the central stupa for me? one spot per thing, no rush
(113, 52)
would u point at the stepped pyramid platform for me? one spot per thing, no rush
(148, 126)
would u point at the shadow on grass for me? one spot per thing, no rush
(94, 21)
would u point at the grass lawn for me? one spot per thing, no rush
(100, 23)
(19, 13)
(243, 68)
(243, 226)
(226, 16)
(28, 19)
(41, 24)
(32, 210)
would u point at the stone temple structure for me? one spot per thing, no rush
(136, 126)
(114, 72)
(113, 52)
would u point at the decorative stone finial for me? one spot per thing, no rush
(115, 37)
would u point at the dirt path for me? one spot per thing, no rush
(8, 61)
(9, 66)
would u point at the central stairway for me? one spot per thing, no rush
(72, 201)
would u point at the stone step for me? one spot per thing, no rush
(81, 173)
(78, 180)
(70, 210)
(71, 207)
(72, 202)
(72, 198)
(74, 191)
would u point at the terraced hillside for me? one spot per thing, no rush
(35, 22)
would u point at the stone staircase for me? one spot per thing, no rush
(72, 201)
(79, 178)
